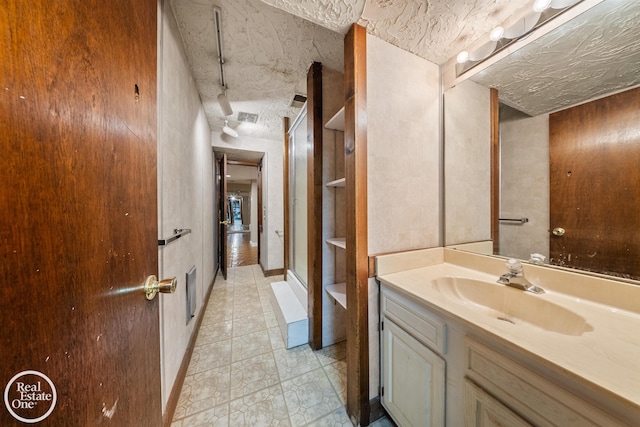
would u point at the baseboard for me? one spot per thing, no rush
(274, 272)
(172, 402)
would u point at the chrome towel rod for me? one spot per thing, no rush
(177, 233)
(520, 220)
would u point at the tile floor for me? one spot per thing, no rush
(240, 373)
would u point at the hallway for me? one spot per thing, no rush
(241, 375)
(239, 250)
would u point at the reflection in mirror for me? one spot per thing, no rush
(560, 90)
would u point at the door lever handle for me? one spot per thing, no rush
(152, 286)
(227, 222)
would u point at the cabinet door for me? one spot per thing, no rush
(413, 379)
(483, 410)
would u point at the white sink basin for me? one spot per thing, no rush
(512, 305)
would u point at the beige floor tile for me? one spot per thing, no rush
(276, 339)
(204, 390)
(214, 417)
(309, 397)
(263, 408)
(210, 356)
(337, 374)
(248, 324)
(270, 319)
(213, 332)
(337, 418)
(253, 374)
(250, 345)
(241, 311)
(332, 353)
(296, 361)
(240, 374)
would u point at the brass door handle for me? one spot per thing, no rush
(558, 231)
(152, 286)
(227, 222)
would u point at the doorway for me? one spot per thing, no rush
(240, 243)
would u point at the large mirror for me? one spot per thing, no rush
(568, 148)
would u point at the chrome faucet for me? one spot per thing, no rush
(515, 278)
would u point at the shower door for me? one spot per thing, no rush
(298, 199)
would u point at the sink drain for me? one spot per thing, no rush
(504, 319)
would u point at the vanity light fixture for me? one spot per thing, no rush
(500, 37)
(463, 57)
(540, 5)
(496, 34)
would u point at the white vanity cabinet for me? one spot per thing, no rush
(438, 370)
(503, 382)
(413, 374)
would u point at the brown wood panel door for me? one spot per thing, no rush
(223, 214)
(78, 230)
(595, 185)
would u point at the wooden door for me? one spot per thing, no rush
(594, 171)
(223, 221)
(78, 230)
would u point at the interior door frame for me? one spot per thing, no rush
(222, 215)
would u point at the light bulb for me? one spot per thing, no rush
(462, 57)
(496, 34)
(540, 5)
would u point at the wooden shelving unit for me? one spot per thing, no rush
(338, 241)
(337, 121)
(338, 293)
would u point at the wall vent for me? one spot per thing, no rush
(247, 117)
(191, 293)
(298, 101)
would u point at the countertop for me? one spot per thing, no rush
(605, 359)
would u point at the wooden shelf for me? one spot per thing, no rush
(336, 183)
(338, 292)
(337, 121)
(338, 241)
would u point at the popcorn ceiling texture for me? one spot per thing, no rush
(438, 29)
(337, 15)
(583, 59)
(268, 45)
(267, 54)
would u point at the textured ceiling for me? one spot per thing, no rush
(594, 54)
(269, 45)
(267, 53)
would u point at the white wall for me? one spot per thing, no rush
(467, 159)
(403, 148)
(524, 185)
(403, 145)
(271, 244)
(185, 192)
